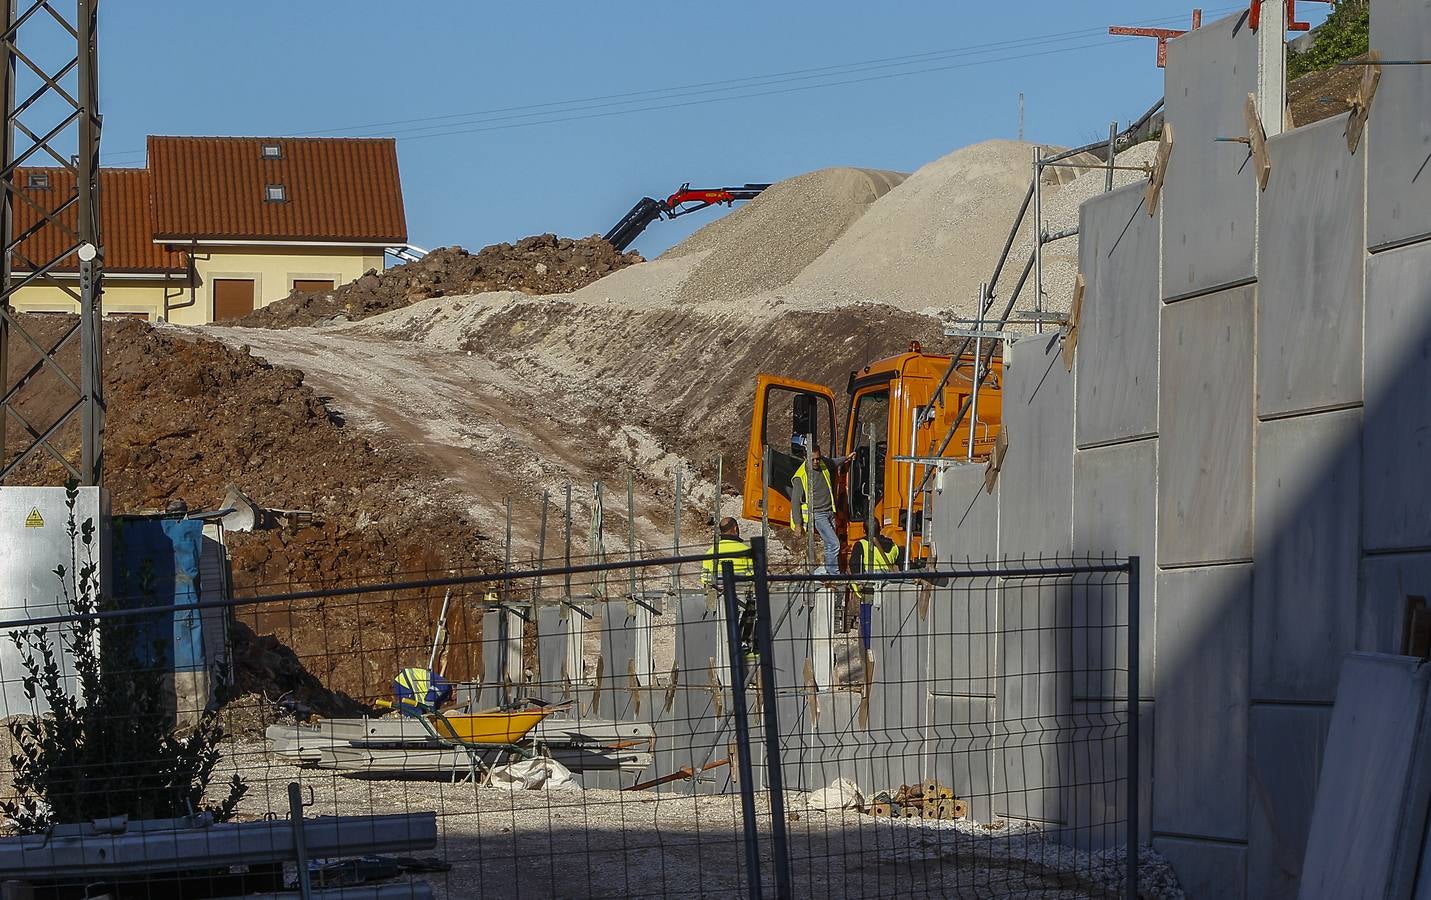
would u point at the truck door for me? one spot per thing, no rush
(785, 410)
(869, 442)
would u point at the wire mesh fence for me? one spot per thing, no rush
(607, 728)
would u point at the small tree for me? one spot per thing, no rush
(109, 748)
(1346, 34)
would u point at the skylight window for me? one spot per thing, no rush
(272, 151)
(38, 181)
(276, 193)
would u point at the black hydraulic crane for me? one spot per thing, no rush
(684, 201)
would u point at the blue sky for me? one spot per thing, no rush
(271, 67)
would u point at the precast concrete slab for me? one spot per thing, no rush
(1115, 514)
(559, 649)
(501, 656)
(1311, 271)
(1117, 356)
(840, 746)
(1398, 139)
(1396, 482)
(1036, 481)
(1204, 624)
(965, 524)
(963, 637)
(1304, 586)
(1209, 201)
(1096, 808)
(798, 616)
(626, 659)
(961, 740)
(899, 661)
(1206, 870)
(1035, 695)
(1387, 580)
(1284, 761)
(1370, 818)
(1205, 430)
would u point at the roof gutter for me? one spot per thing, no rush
(224, 242)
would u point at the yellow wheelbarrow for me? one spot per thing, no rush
(495, 732)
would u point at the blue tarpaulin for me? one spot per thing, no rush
(156, 563)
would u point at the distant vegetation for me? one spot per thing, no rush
(1345, 35)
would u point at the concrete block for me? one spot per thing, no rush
(960, 748)
(1115, 493)
(1305, 584)
(1036, 483)
(1035, 693)
(1396, 482)
(1209, 197)
(1205, 447)
(1206, 870)
(1117, 357)
(965, 524)
(1386, 581)
(963, 637)
(1284, 761)
(1311, 267)
(1398, 141)
(1369, 821)
(1097, 793)
(1203, 634)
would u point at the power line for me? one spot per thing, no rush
(550, 112)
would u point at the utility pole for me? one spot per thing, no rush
(55, 108)
(1021, 116)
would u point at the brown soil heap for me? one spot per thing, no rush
(188, 417)
(542, 264)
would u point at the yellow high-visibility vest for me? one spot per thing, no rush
(876, 560)
(804, 478)
(727, 549)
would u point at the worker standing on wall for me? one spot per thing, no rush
(812, 503)
(872, 553)
(731, 547)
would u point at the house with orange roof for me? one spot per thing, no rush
(215, 227)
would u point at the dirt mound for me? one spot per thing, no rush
(766, 243)
(930, 240)
(542, 264)
(1321, 95)
(188, 416)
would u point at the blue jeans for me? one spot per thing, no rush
(824, 524)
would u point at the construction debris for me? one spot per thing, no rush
(541, 264)
(929, 800)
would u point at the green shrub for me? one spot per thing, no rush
(1345, 35)
(109, 748)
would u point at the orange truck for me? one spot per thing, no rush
(888, 414)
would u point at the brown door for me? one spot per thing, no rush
(233, 298)
(312, 285)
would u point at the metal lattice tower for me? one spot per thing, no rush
(51, 92)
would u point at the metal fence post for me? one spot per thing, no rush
(742, 730)
(765, 645)
(1134, 563)
(300, 840)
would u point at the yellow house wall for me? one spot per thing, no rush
(272, 272)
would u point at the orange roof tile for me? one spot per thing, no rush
(338, 190)
(126, 226)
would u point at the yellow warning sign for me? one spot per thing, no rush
(34, 519)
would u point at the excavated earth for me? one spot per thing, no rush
(541, 264)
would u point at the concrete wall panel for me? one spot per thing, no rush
(1209, 195)
(1284, 760)
(1206, 870)
(1098, 791)
(1386, 582)
(961, 750)
(1117, 355)
(1205, 452)
(1305, 583)
(559, 650)
(1311, 263)
(1036, 483)
(1398, 137)
(899, 686)
(1396, 480)
(963, 621)
(1115, 491)
(966, 517)
(1200, 750)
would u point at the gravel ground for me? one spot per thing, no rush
(599, 843)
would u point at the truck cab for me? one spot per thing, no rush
(887, 430)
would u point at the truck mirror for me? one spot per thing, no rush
(804, 415)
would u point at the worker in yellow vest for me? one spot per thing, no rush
(872, 553)
(812, 504)
(731, 547)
